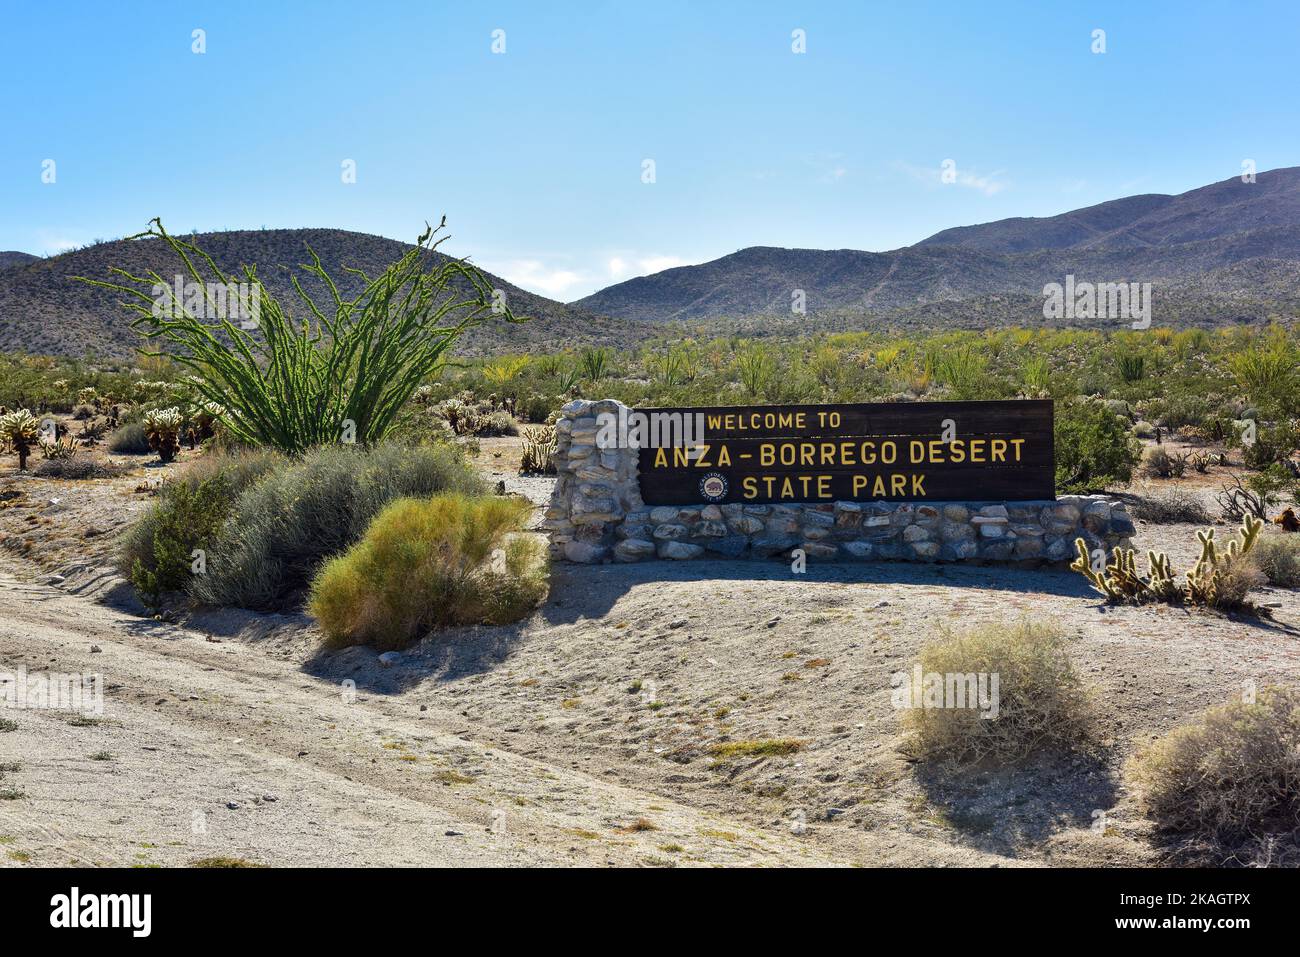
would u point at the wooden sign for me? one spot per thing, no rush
(889, 451)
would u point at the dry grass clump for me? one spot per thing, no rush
(452, 559)
(1231, 772)
(1041, 703)
(760, 748)
(1276, 556)
(1170, 506)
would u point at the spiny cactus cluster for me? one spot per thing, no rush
(63, 447)
(468, 415)
(20, 431)
(1211, 582)
(162, 427)
(539, 449)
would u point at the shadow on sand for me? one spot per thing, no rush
(1004, 810)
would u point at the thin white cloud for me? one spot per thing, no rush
(534, 276)
(987, 183)
(628, 266)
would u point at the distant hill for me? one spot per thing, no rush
(10, 259)
(44, 310)
(1171, 241)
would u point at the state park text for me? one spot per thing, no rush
(921, 451)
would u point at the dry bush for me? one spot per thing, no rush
(1278, 558)
(1231, 772)
(1170, 506)
(76, 468)
(448, 560)
(1160, 463)
(1042, 704)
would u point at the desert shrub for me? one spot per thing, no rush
(1233, 771)
(499, 423)
(293, 383)
(282, 528)
(76, 468)
(430, 563)
(1272, 445)
(1041, 702)
(1161, 463)
(1278, 558)
(1169, 506)
(1184, 410)
(189, 521)
(1093, 448)
(156, 550)
(129, 440)
(535, 408)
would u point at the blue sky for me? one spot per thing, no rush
(536, 154)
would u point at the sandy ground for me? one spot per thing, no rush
(587, 733)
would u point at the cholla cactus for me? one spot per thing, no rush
(87, 395)
(539, 450)
(21, 430)
(59, 448)
(1208, 583)
(162, 427)
(464, 419)
(201, 423)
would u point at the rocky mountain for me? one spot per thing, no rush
(44, 310)
(10, 259)
(1229, 230)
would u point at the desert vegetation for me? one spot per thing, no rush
(1229, 775)
(1042, 703)
(452, 559)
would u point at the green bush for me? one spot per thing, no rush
(1232, 771)
(1042, 704)
(1093, 448)
(156, 551)
(281, 529)
(130, 439)
(430, 563)
(190, 521)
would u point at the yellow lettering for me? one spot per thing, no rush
(750, 486)
(918, 486)
(998, 450)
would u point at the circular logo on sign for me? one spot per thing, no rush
(713, 487)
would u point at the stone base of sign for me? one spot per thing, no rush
(596, 515)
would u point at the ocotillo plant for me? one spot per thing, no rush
(339, 372)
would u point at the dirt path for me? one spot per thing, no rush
(192, 726)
